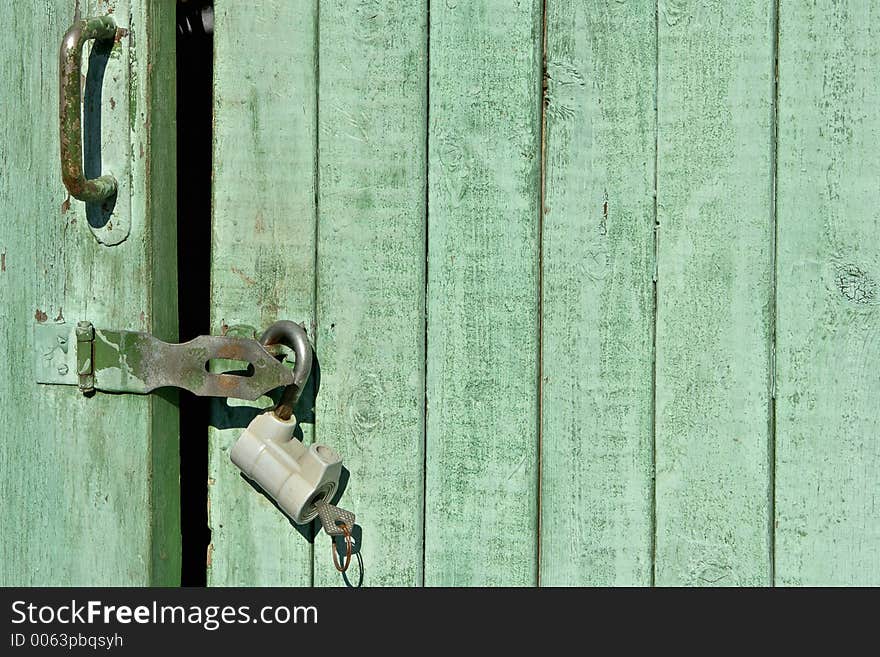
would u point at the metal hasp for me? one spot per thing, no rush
(131, 361)
(92, 190)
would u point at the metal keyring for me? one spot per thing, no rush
(347, 562)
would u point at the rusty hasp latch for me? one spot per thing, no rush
(114, 360)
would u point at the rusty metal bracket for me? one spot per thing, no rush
(112, 360)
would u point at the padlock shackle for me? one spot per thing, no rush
(294, 336)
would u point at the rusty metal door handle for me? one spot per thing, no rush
(92, 190)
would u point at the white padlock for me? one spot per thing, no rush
(294, 475)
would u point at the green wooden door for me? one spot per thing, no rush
(89, 485)
(592, 287)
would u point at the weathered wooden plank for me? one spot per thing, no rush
(89, 484)
(160, 207)
(713, 443)
(482, 348)
(598, 306)
(828, 321)
(263, 254)
(371, 277)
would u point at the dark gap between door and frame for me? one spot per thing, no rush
(195, 61)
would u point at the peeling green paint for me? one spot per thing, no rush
(119, 359)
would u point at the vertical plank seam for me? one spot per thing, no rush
(316, 48)
(151, 279)
(542, 160)
(774, 173)
(427, 292)
(211, 279)
(655, 300)
(151, 276)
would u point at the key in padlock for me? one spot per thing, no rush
(296, 476)
(334, 520)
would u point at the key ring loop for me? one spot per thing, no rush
(347, 561)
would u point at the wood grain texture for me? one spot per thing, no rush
(598, 306)
(371, 277)
(89, 484)
(263, 255)
(159, 118)
(713, 443)
(482, 349)
(828, 326)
